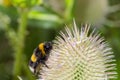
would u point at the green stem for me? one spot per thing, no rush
(20, 42)
(69, 9)
(52, 11)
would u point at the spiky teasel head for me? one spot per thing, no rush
(79, 56)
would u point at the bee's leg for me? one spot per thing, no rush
(35, 72)
(44, 64)
(35, 66)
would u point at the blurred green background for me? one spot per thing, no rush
(26, 23)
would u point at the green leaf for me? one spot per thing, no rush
(44, 16)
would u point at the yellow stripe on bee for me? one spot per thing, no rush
(33, 58)
(41, 47)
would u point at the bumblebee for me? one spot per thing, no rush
(40, 56)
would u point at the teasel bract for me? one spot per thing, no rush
(80, 55)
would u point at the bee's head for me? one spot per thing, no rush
(47, 46)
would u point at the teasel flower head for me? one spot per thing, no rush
(78, 55)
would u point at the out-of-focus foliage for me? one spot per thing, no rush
(42, 19)
(26, 3)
